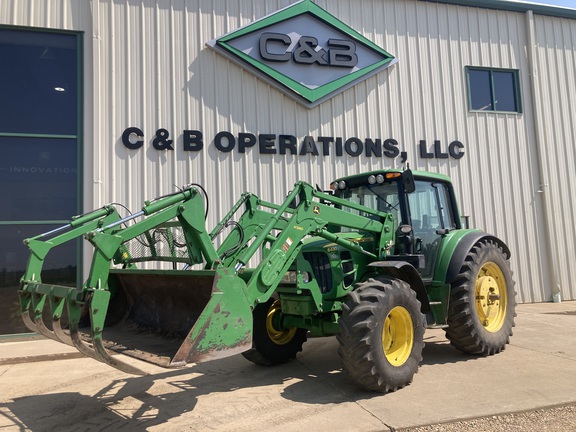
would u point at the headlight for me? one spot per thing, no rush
(289, 278)
(306, 277)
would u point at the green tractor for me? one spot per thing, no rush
(374, 262)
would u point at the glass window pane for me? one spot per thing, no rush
(425, 215)
(504, 93)
(59, 268)
(38, 82)
(446, 207)
(480, 94)
(38, 178)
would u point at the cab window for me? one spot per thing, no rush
(431, 212)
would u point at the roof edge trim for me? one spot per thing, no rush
(514, 6)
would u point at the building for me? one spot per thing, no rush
(120, 100)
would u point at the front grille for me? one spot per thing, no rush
(321, 268)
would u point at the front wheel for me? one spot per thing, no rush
(271, 346)
(381, 334)
(482, 302)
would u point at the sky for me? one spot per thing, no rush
(564, 3)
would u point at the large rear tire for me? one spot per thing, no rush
(271, 346)
(381, 334)
(482, 301)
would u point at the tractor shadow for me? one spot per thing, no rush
(139, 403)
(439, 351)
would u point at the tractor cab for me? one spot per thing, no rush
(423, 206)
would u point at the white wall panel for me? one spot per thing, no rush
(556, 65)
(147, 66)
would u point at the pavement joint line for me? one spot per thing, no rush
(41, 358)
(390, 428)
(5, 371)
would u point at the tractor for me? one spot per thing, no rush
(374, 261)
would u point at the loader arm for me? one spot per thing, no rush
(39, 247)
(315, 212)
(187, 206)
(171, 317)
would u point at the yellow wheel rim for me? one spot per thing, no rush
(398, 336)
(279, 337)
(491, 297)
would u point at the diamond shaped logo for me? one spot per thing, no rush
(305, 52)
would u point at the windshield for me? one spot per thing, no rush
(382, 197)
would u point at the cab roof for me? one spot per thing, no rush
(422, 175)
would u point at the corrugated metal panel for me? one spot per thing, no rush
(150, 69)
(157, 73)
(556, 66)
(57, 14)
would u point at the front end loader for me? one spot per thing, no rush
(374, 262)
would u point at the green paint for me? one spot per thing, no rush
(327, 242)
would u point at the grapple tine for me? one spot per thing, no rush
(103, 355)
(57, 308)
(98, 352)
(38, 303)
(28, 321)
(60, 334)
(25, 304)
(98, 305)
(79, 343)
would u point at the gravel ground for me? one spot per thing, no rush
(557, 419)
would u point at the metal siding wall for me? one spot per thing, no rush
(150, 68)
(157, 73)
(556, 65)
(494, 181)
(57, 14)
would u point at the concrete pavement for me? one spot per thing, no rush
(45, 385)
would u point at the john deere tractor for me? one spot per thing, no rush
(374, 262)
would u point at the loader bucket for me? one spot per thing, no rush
(171, 318)
(165, 317)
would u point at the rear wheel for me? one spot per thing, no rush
(482, 302)
(271, 346)
(381, 334)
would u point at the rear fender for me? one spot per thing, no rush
(454, 252)
(451, 256)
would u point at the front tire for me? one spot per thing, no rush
(271, 346)
(482, 302)
(381, 334)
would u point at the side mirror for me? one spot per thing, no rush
(404, 240)
(408, 180)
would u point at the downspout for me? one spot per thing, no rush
(93, 199)
(96, 121)
(540, 131)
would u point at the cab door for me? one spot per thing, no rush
(431, 214)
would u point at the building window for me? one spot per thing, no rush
(40, 142)
(493, 89)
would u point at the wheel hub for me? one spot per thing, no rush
(279, 337)
(491, 297)
(398, 336)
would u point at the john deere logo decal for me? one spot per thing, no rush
(305, 52)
